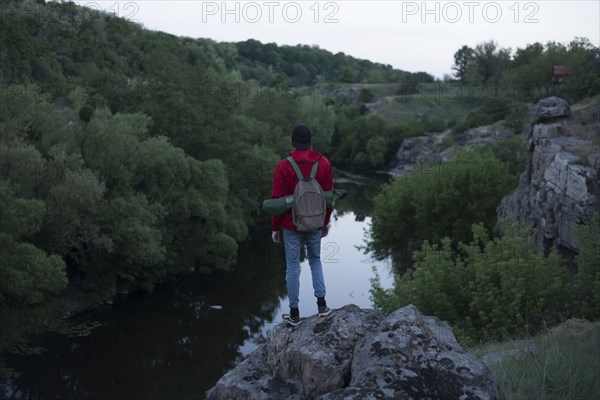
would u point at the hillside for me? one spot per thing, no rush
(303, 65)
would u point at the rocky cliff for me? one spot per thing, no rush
(359, 354)
(561, 185)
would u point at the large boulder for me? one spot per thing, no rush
(551, 108)
(359, 354)
(414, 356)
(317, 357)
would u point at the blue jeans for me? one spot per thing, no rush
(292, 241)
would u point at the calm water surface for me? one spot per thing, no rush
(175, 342)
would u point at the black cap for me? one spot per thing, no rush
(301, 136)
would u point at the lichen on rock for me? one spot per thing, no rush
(359, 354)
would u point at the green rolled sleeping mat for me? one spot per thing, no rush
(283, 204)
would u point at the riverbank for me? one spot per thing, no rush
(176, 341)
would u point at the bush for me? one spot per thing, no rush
(492, 110)
(437, 201)
(366, 95)
(516, 117)
(588, 267)
(487, 289)
(512, 151)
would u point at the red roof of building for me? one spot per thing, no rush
(561, 70)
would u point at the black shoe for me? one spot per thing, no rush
(294, 321)
(324, 311)
(322, 306)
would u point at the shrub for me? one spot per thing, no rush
(492, 110)
(487, 288)
(437, 201)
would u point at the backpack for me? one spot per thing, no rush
(309, 208)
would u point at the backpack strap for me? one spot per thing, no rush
(296, 168)
(313, 170)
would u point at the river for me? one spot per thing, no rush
(175, 342)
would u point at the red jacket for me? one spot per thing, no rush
(285, 180)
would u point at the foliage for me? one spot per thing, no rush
(366, 95)
(490, 111)
(105, 197)
(488, 288)
(527, 74)
(462, 58)
(300, 65)
(28, 275)
(588, 267)
(138, 144)
(512, 152)
(321, 119)
(367, 142)
(437, 201)
(516, 117)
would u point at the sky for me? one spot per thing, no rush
(408, 35)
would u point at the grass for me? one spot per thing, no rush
(563, 363)
(432, 100)
(404, 108)
(587, 101)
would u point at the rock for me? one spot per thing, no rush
(359, 354)
(420, 151)
(551, 108)
(321, 351)
(413, 356)
(251, 379)
(561, 186)
(429, 148)
(486, 134)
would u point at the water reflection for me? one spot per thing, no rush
(347, 271)
(361, 191)
(170, 344)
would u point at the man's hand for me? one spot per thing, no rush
(276, 236)
(324, 231)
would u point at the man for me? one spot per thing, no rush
(284, 183)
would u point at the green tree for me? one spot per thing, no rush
(376, 151)
(28, 275)
(472, 74)
(348, 75)
(491, 61)
(366, 95)
(320, 118)
(72, 221)
(462, 58)
(584, 60)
